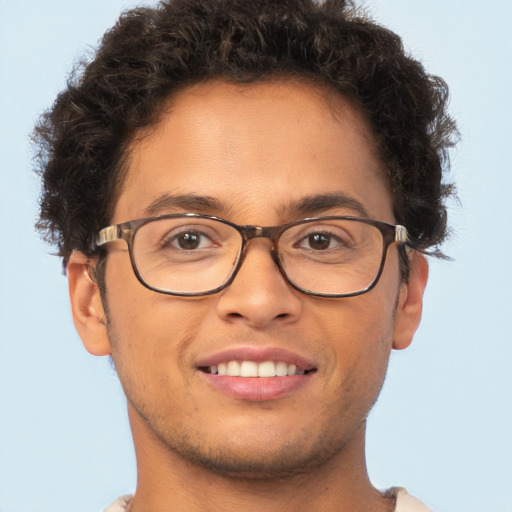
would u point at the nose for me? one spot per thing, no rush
(259, 295)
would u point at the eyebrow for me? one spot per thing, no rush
(319, 203)
(189, 202)
(307, 206)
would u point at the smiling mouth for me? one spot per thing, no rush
(266, 369)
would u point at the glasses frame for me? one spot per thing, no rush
(391, 233)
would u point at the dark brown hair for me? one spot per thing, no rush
(153, 52)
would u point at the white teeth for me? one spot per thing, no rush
(249, 369)
(281, 369)
(253, 369)
(233, 369)
(267, 369)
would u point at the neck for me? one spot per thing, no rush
(168, 482)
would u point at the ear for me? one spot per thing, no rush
(86, 305)
(410, 302)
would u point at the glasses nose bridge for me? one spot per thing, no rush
(271, 233)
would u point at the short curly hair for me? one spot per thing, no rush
(151, 53)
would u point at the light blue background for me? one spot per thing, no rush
(442, 426)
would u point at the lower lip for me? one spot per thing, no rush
(257, 389)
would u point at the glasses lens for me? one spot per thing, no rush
(331, 257)
(185, 254)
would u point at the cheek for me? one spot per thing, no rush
(159, 329)
(142, 316)
(150, 343)
(356, 337)
(149, 332)
(351, 325)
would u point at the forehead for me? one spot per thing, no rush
(255, 149)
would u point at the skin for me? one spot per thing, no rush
(255, 149)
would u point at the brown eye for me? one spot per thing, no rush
(189, 241)
(319, 241)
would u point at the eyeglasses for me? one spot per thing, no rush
(192, 255)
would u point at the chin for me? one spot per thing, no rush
(261, 460)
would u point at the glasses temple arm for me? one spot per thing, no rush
(106, 235)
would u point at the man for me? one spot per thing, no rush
(242, 194)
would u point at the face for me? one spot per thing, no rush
(257, 151)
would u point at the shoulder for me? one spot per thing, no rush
(120, 505)
(407, 503)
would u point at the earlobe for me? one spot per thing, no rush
(86, 305)
(410, 302)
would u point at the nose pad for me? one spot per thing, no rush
(275, 257)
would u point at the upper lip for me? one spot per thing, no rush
(258, 355)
